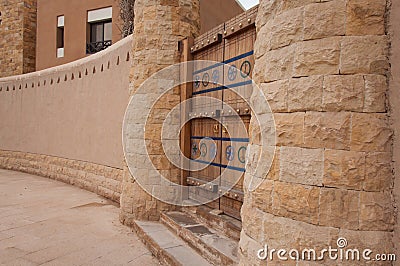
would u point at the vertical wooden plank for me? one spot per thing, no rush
(186, 93)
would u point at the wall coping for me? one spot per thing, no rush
(71, 65)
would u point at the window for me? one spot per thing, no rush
(100, 30)
(60, 36)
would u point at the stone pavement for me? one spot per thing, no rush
(45, 222)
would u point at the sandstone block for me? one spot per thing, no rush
(262, 197)
(324, 19)
(247, 248)
(282, 232)
(344, 169)
(343, 93)
(376, 211)
(375, 93)
(285, 5)
(365, 17)
(273, 173)
(339, 208)
(287, 28)
(305, 94)
(252, 223)
(364, 54)
(276, 94)
(317, 57)
(295, 201)
(289, 129)
(370, 132)
(263, 41)
(378, 171)
(302, 166)
(278, 64)
(327, 130)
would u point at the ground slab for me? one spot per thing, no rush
(45, 222)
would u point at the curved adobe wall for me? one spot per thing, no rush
(324, 67)
(65, 122)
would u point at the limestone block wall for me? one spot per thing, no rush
(18, 37)
(159, 26)
(324, 66)
(66, 122)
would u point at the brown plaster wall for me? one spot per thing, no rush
(75, 28)
(215, 12)
(73, 111)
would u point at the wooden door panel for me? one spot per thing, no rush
(234, 147)
(222, 148)
(239, 53)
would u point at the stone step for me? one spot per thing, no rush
(229, 226)
(217, 248)
(168, 248)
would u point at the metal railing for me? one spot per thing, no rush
(94, 47)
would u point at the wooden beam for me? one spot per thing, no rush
(186, 93)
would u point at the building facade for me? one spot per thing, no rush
(40, 34)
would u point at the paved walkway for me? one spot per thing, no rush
(45, 222)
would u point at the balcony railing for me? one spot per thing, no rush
(94, 47)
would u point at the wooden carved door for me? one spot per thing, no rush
(219, 123)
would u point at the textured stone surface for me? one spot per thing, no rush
(364, 54)
(305, 94)
(324, 19)
(302, 166)
(339, 208)
(18, 42)
(289, 129)
(365, 18)
(278, 64)
(328, 130)
(169, 21)
(370, 132)
(328, 91)
(317, 57)
(286, 28)
(375, 93)
(378, 171)
(100, 179)
(344, 169)
(376, 211)
(296, 201)
(263, 198)
(343, 93)
(276, 94)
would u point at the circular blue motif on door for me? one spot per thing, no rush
(242, 154)
(203, 150)
(230, 153)
(215, 76)
(232, 73)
